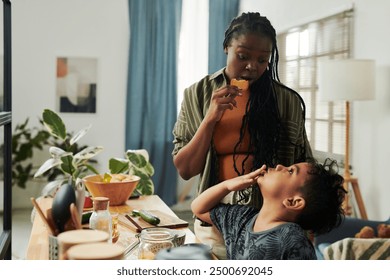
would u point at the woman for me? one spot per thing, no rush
(223, 131)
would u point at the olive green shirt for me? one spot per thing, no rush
(195, 105)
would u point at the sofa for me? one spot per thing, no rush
(348, 228)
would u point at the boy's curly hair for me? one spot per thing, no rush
(324, 194)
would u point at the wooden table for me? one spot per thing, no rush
(38, 246)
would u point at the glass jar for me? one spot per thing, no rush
(152, 240)
(101, 217)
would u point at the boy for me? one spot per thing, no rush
(304, 196)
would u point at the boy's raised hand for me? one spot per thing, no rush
(245, 181)
(208, 199)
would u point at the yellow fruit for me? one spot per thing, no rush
(107, 178)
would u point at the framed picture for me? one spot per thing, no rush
(76, 84)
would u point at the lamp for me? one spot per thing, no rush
(347, 80)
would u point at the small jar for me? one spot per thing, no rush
(152, 240)
(101, 218)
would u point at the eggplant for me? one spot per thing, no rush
(62, 200)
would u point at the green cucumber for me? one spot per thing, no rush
(135, 213)
(149, 217)
(146, 216)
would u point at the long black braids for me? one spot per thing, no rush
(262, 118)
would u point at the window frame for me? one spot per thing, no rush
(321, 36)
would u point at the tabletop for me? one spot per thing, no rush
(38, 246)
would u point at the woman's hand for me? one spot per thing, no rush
(191, 159)
(222, 99)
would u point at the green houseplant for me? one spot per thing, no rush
(77, 165)
(26, 142)
(136, 162)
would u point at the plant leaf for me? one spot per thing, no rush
(56, 152)
(93, 169)
(51, 188)
(88, 153)
(149, 169)
(118, 165)
(47, 165)
(54, 124)
(79, 135)
(136, 159)
(67, 164)
(145, 187)
(141, 152)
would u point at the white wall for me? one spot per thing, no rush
(370, 119)
(45, 29)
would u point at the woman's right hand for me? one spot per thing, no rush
(190, 160)
(222, 99)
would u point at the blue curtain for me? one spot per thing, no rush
(151, 97)
(221, 13)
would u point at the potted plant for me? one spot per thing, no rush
(63, 159)
(136, 162)
(28, 142)
(25, 141)
(77, 165)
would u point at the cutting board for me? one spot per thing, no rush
(166, 220)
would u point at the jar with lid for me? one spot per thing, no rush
(152, 240)
(101, 217)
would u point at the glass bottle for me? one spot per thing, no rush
(152, 240)
(101, 217)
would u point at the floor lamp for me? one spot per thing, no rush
(347, 80)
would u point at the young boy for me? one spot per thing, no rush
(305, 196)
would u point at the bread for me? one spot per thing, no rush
(241, 84)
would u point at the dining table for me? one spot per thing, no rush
(38, 245)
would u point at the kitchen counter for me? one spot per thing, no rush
(38, 246)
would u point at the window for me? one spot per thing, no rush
(300, 49)
(193, 47)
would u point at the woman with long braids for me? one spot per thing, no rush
(223, 131)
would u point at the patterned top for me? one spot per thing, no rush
(284, 242)
(196, 103)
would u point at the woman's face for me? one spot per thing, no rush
(248, 57)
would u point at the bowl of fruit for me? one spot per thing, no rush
(116, 187)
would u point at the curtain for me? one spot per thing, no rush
(221, 13)
(151, 97)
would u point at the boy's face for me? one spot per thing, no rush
(248, 57)
(282, 181)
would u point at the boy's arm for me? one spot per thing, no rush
(208, 199)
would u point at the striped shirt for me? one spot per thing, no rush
(196, 102)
